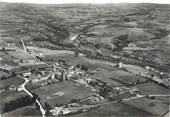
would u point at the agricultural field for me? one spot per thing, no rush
(21, 55)
(13, 81)
(6, 59)
(3, 74)
(69, 90)
(69, 57)
(151, 88)
(9, 97)
(117, 109)
(126, 76)
(155, 107)
(25, 111)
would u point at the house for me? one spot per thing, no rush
(26, 74)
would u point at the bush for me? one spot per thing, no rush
(18, 103)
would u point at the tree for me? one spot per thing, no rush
(6, 107)
(37, 106)
(138, 80)
(47, 106)
(151, 104)
(83, 67)
(74, 100)
(97, 45)
(13, 74)
(48, 113)
(35, 96)
(3, 77)
(76, 52)
(78, 66)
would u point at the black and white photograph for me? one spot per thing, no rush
(84, 58)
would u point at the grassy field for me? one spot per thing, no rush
(157, 106)
(3, 74)
(47, 52)
(135, 69)
(6, 59)
(8, 97)
(151, 88)
(6, 94)
(25, 111)
(69, 89)
(125, 76)
(105, 75)
(114, 110)
(105, 70)
(20, 55)
(154, 107)
(14, 81)
(70, 59)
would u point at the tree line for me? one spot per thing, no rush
(18, 103)
(11, 75)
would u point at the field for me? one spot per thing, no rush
(151, 88)
(114, 110)
(105, 75)
(2, 74)
(157, 106)
(116, 77)
(69, 89)
(70, 59)
(20, 55)
(6, 59)
(14, 81)
(126, 76)
(47, 52)
(24, 111)
(148, 105)
(106, 72)
(8, 97)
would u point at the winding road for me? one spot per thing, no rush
(22, 88)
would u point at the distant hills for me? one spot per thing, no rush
(114, 25)
(35, 20)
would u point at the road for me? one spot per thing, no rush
(22, 88)
(111, 102)
(158, 95)
(115, 101)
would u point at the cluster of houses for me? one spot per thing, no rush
(4, 70)
(158, 77)
(57, 72)
(108, 89)
(155, 76)
(68, 109)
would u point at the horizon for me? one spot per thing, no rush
(86, 1)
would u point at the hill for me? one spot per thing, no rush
(112, 26)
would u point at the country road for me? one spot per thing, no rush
(115, 101)
(22, 88)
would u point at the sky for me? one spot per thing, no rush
(88, 1)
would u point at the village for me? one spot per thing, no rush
(60, 72)
(84, 60)
(102, 92)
